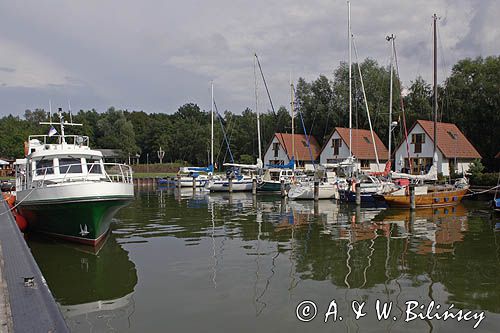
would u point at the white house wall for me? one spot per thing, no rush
(269, 155)
(443, 164)
(327, 154)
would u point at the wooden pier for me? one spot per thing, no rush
(26, 303)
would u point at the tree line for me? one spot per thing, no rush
(469, 97)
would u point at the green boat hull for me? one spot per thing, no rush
(80, 221)
(271, 186)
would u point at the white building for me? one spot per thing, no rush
(336, 149)
(280, 149)
(454, 151)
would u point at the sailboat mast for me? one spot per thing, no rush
(257, 106)
(212, 128)
(350, 76)
(435, 86)
(293, 124)
(391, 39)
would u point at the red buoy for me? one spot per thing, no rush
(21, 222)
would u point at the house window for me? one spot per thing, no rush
(366, 140)
(276, 148)
(336, 144)
(418, 140)
(365, 164)
(452, 135)
(304, 142)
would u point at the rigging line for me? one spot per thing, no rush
(401, 101)
(366, 104)
(265, 83)
(299, 111)
(228, 149)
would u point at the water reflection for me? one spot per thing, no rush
(231, 258)
(93, 286)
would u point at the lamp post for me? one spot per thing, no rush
(161, 154)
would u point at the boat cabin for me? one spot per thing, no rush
(60, 161)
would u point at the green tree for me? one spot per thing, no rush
(116, 132)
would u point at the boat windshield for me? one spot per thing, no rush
(70, 165)
(94, 166)
(44, 167)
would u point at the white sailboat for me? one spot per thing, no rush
(234, 181)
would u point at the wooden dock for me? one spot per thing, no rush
(26, 303)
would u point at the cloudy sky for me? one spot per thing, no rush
(155, 55)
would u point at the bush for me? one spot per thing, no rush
(484, 179)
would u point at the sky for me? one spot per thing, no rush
(156, 55)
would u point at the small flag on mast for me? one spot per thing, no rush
(52, 131)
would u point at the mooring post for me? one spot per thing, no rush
(316, 190)
(282, 188)
(412, 197)
(230, 187)
(179, 182)
(254, 186)
(194, 183)
(358, 194)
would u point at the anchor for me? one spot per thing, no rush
(84, 231)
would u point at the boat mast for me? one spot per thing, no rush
(434, 17)
(293, 124)
(350, 76)
(390, 39)
(257, 106)
(212, 129)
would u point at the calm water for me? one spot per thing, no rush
(201, 263)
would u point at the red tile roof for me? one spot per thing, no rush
(301, 150)
(451, 141)
(362, 146)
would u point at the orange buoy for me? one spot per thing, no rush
(21, 222)
(11, 200)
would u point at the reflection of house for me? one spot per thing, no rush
(6, 167)
(280, 149)
(336, 149)
(454, 151)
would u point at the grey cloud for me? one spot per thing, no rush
(7, 69)
(156, 55)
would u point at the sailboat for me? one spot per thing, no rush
(275, 174)
(429, 195)
(234, 181)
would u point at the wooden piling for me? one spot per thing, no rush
(194, 183)
(282, 188)
(316, 190)
(358, 194)
(230, 180)
(412, 197)
(179, 182)
(254, 186)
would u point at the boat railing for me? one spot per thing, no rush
(113, 172)
(76, 140)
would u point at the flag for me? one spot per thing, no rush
(52, 131)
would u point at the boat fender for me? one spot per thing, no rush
(21, 222)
